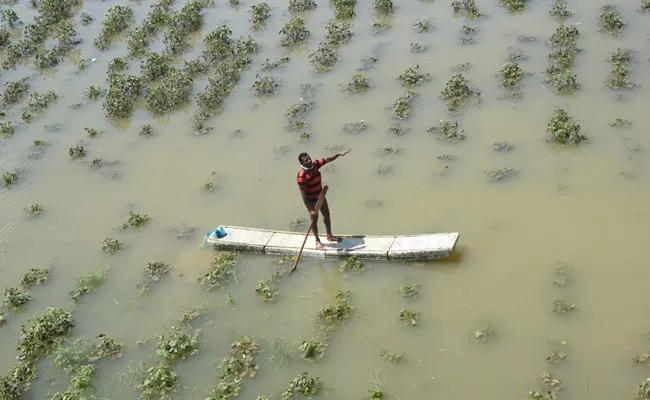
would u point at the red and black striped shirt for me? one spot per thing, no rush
(309, 180)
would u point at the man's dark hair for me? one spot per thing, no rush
(301, 156)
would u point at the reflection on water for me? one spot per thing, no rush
(585, 207)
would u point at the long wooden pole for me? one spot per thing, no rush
(317, 207)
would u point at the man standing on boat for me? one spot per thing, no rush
(309, 183)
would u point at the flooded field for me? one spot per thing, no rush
(130, 129)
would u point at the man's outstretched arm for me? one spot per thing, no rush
(335, 156)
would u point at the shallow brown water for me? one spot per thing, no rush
(586, 207)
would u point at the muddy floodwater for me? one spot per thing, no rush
(546, 294)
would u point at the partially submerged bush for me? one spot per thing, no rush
(181, 24)
(402, 106)
(311, 350)
(261, 12)
(409, 317)
(111, 245)
(466, 8)
(560, 11)
(617, 78)
(412, 77)
(118, 19)
(265, 85)
(222, 271)
(323, 58)
(564, 129)
(15, 91)
(44, 333)
(178, 345)
(88, 282)
(352, 264)
(383, 6)
(16, 298)
(77, 152)
(303, 385)
(422, 26)
(294, 32)
(338, 32)
(35, 277)
(170, 93)
(359, 83)
(9, 178)
(410, 291)
(610, 20)
(239, 364)
(458, 92)
(562, 59)
(338, 311)
(645, 6)
(301, 5)
(123, 91)
(156, 381)
(344, 9)
(514, 6)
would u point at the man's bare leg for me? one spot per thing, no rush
(314, 229)
(325, 209)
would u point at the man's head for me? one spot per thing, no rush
(304, 160)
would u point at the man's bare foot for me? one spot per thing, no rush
(333, 238)
(319, 246)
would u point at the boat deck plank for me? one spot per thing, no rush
(426, 246)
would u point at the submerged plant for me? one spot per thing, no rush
(391, 356)
(294, 32)
(170, 93)
(402, 106)
(323, 58)
(111, 245)
(383, 6)
(422, 26)
(564, 129)
(458, 92)
(118, 19)
(560, 10)
(338, 32)
(123, 91)
(359, 83)
(15, 91)
(16, 298)
(617, 78)
(311, 350)
(448, 130)
(344, 9)
(466, 8)
(411, 291)
(9, 178)
(239, 364)
(261, 12)
(510, 76)
(409, 317)
(303, 385)
(35, 277)
(42, 334)
(352, 264)
(107, 348)
(178, 345)
(88, 282)
(413, 77)
(560, 306)
(265, 86)
(620, 123)
(7, 130)
(514, 6)
(338, 311)
(498, 174)
(136, 220)
(156, 381)
(610, 20)
(77, 152)
(301, 5)
(222, 271)
(645, 6)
